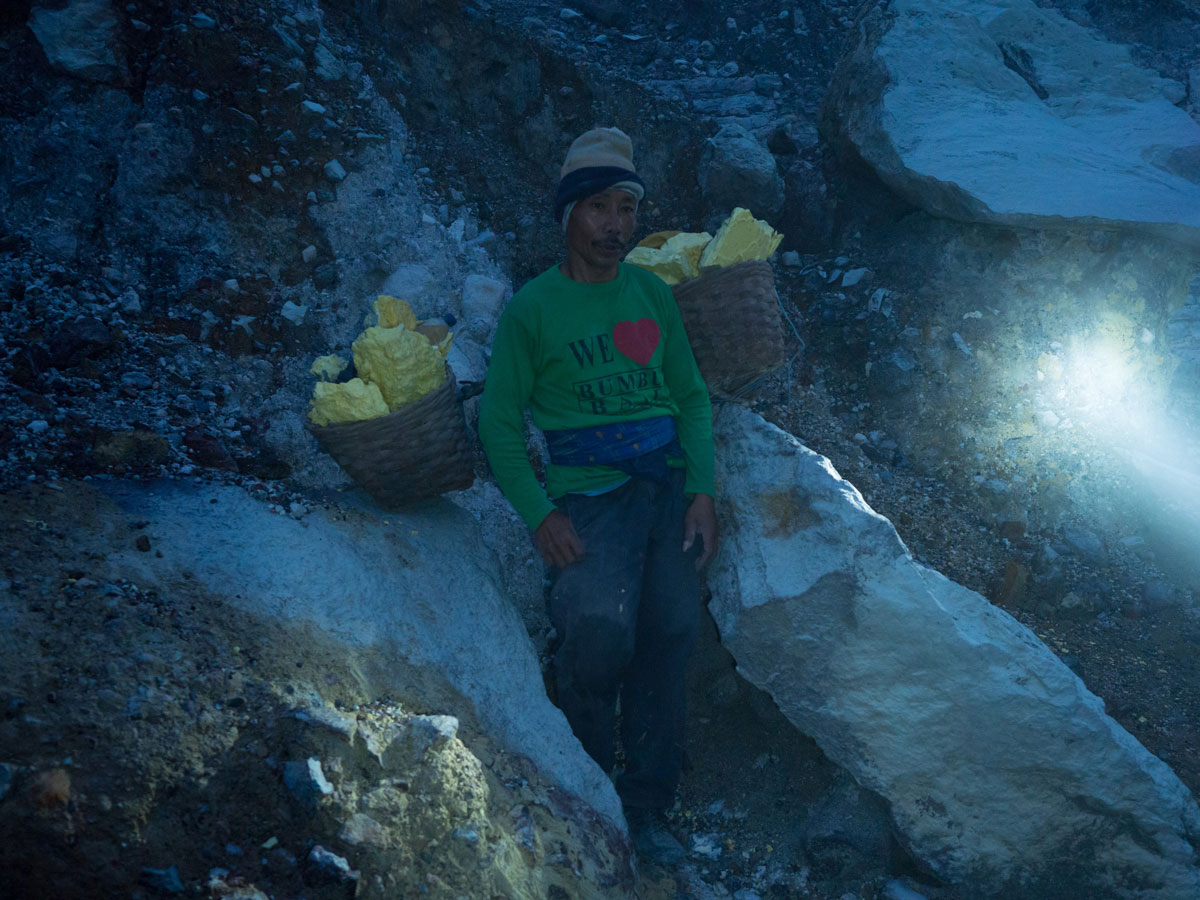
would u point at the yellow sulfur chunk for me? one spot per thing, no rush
(689, 246)
(676, 260)
(403, 363)
(668, 268)
(350, 401)
(657, 239)
(741, 237)
(392, 311)
(328, 367)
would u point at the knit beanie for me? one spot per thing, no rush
(596, 161)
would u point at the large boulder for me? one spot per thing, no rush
(417, 584)
(1003, 772)
(737, 169)
(81, 38)
(1002, 111)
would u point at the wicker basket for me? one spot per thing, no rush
(418, 451)
(733, 322)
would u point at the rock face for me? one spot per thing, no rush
(1002, 770)
(81, 38)
(410, 586)
(990, 111)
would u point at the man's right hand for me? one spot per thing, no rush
(557, 541)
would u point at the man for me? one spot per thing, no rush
(596, 350)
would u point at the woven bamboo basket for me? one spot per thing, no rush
(733, 322)
(417, 452)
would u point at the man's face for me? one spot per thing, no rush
(599, 229)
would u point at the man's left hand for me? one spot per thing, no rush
(700, 521)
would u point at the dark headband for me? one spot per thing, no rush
(587, 181)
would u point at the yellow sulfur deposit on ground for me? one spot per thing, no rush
(676, 260)
(403, 363)
(350, 401)
(392, 311)
(328, 368)
(676, 256)
(741, 237)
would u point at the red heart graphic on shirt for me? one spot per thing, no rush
(637, 340)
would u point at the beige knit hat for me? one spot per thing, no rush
(596, 161)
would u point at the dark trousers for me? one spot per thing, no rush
(627, 616)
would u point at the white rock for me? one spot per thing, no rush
(334, 170)
(854, 276)
(362, 829)
(415, 284)
(203, 22)
(82, 39)
(306, 779)
(467, 360)
(311, 107)
(331, 864)
(482, 299)
(999, 765)
(707, 846)
(329, 67)
(294, 312)
(347, 576)
(927, 99)
(309, 253)
(1174, 91)
(897, 890)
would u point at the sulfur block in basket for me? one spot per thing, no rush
(402, 363)
(676, 260)
(349, 401)
(328, 367)
(739, 239)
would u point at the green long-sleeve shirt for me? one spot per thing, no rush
(578, 354)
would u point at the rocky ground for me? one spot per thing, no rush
(163, 742)
(139, 730)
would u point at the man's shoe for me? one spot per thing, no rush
(651, 839)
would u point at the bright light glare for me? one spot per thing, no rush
(1103, 388)
(1110, 396)
(1100, 380)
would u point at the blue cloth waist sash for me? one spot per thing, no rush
(639, 449)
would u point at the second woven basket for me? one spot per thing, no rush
(733, 323)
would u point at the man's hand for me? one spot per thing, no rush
(557, 541)
(700, 520)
